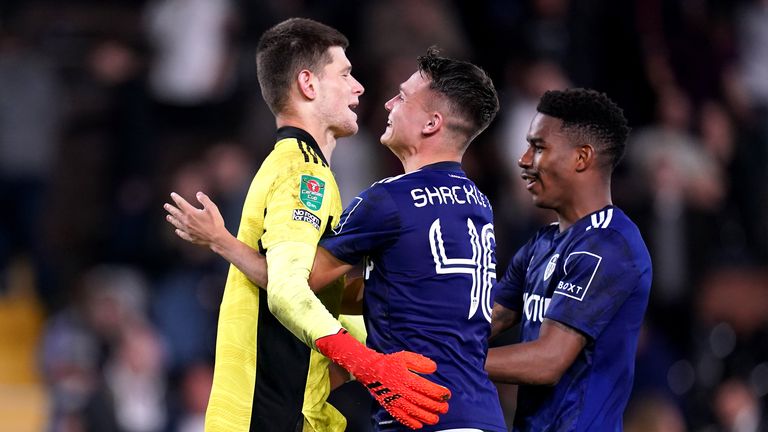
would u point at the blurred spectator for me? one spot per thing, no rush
(79, 340)
(30, 121)
(117, 69)
(195, 390)
(737, 408)
(231, 170)
(189, 289)
(135, 377)
(653, 414)
(193, 69)
(192, 63)
(356, 167)
(682, 178)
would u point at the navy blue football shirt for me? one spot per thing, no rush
(594, 277)
(428, 244)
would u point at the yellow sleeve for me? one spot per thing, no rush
(355, 325)
(297, 211)
(289, 297)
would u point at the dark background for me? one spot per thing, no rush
(107, 321)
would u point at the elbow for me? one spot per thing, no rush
(277, 299)
(549, 378)
(551, 374)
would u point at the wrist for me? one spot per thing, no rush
(342, 348)
(221, 242)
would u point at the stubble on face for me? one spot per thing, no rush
(338, 96)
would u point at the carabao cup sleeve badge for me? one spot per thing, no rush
(311, 192)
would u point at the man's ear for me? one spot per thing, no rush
(585, 157)
(434, 124)
(307, 82)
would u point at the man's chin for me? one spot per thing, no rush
(538, 202)
(347, 130)
(385, 139)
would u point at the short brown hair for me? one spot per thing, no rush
(468, 89)
(286, 49)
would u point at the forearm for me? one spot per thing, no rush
(247, 259)
(522, 363)
(290, 299)
(352, 302)
(502, 318)
(539, 362)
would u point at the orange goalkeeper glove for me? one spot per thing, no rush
(409, 398)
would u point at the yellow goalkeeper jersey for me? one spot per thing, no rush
(266, 378)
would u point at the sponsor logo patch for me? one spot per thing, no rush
(305, 216)
(583, 266)
(311, 192)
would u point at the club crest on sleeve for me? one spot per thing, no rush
(311, 192)
(302, 215)
(551, 266)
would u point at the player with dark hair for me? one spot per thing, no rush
(580, 286)
(266, 377)
(426, 238)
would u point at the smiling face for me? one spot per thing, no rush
(549, 163)
(407, 113)
(339, 94)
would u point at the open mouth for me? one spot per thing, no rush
(530, 179)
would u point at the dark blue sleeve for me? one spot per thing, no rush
(371, 222)
(599, 275)
(508, 291)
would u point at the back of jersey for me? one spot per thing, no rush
(428, 243)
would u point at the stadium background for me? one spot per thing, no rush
(107, 321)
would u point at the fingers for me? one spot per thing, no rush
(421, 364)
(428, 388)
(173, 211)
(205, 201)
(184, 235)
(402, 416)
(175, 222)
(417, 362)
(424, 398)
(183, 204)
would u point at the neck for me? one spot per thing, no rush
(326, 139)
(583, 201)
(415, 157)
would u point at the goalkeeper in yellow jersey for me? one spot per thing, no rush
(269, 375)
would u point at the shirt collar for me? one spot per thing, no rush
(443, 166)
(301, 135)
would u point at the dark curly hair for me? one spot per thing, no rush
(591, 116)
(467, 88)
(289, 47)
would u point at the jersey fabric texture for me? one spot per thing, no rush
(427, 241)
(594, 277)
(265, 378)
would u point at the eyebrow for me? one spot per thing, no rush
(534, 139)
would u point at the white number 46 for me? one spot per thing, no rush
(480, 267)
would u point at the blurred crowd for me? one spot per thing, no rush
(108, 106)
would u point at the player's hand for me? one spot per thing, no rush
(199, 226)
(409, 398)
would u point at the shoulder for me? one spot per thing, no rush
(295, 148)
(613, 236)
